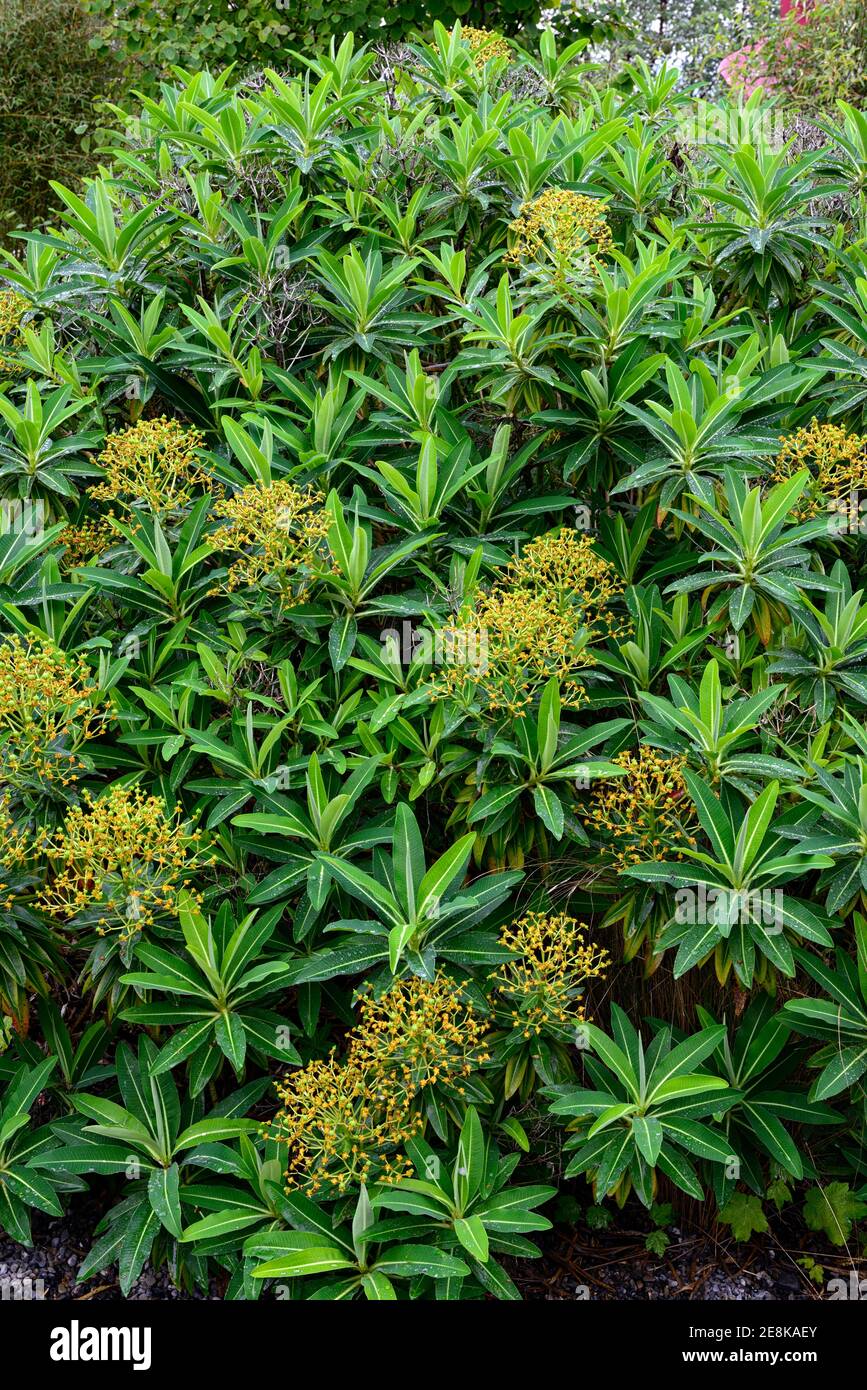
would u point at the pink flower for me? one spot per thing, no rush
(743, 69)
(801, 8)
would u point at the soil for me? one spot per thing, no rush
(702, 1265)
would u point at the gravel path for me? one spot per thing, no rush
(60, 1246)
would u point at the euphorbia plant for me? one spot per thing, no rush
(646, 1111)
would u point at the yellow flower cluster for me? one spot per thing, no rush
(153, 463)
(536, 622)
(507, 649)
(422, 1032)
(16, 850)
(48, 710)
(540, 990)
(485, 44)
(566, 568)
(645, 815)
(275, 532)
(563, 232)
(13, 307)
(120, 861)
(342, 1126)
(835, 458)
(84, 543)
(16, 846)
(346, 1122)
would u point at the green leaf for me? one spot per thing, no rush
(680, 1086)
(408, 856)
(322, 1260)
(406, 1261)
(366, 888)
(378, 1287)
(843, 1070)
(31, 1188)
(495, 1279)
(657, 1242)
(341, 640)
(164, 1196)
(14, 1217)
(743, 1213)
(690, 1053)
(548, 727)
(832, 1209)
(470, 1231)
(222, 1223)
(754, 828)
(549, 809)
(90, 1158)
(206, 1131)
(774, 1139)
(141, 1231)
(447, 870)
(714, 821)
(469, 1170)
(615, 1060)
(231, 1039)
(398, 940)
(648, 1135)
(512, 1126)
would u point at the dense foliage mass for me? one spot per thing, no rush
(50, 81)
(432, 624)
(213, 33)
(62, 61)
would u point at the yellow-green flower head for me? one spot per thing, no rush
(49, 708)
(155, 464)
(347, 1121)
(84, 542)
(277, 533)
(343, 1125)
(646, 815)
(13, 307)
(423, 1032)
(836, 459)
(566, 568)
(538, 621)
(485, 44)
(18, 849)
(541, 988)
(560, 227)
(120, 861)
